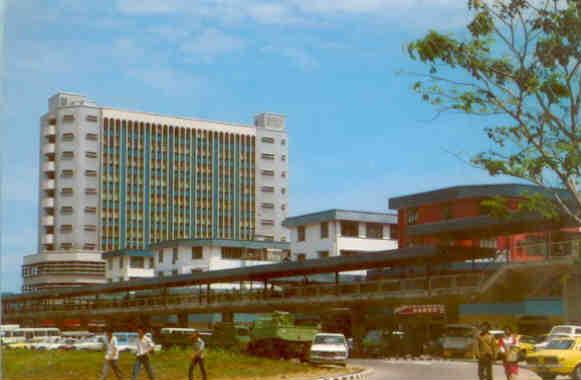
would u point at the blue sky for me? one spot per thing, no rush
(358, 134)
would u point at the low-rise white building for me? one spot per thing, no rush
(128, 264)
(341, 233)
(174, 257)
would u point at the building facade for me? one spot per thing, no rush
(186, 256)
(112, 179)
(128, 264)
(341, 233)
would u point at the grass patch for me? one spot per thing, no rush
(171, 364)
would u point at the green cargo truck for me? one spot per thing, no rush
(277, 336)
(230, 335)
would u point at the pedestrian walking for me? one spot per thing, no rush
(111, 357)
(508, 346)
(485, 349)
(144, 348)
(198, 356)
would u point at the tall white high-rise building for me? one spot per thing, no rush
(115, 179)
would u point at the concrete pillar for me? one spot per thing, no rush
(183, 320)
(228, 316)
(357, 329)
(571, 297)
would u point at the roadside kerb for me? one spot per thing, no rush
(363, 375)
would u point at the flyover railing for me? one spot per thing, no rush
(198, 298)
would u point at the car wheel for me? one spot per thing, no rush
(576, 375)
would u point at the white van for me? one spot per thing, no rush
(329, 349)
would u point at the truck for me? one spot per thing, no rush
(230, 335)
(277, 336)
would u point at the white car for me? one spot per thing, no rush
(45, 344)
(94, 343)
(329, 349)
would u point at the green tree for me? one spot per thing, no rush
(518, 64)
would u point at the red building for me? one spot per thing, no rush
(456, 216)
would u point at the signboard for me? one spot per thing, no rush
(419, 309)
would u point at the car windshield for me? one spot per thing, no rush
(462, 332)
(329, 339)
(560, 344)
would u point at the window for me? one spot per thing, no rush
(267, 189)
(91, 154)
(412, 216)
(374, 230)
(68, 117)
(283, 157)
(160, 256)
(68, 155)
(137, 262)
(267, 156)
(90, 227)
(323, 254)
(283, 142)
(66, 245)
(301, 233)
(324, 230)
(66, 210)
(269, 173)
(120, 262)
(301, 257)
(90, 191)
(91, 173)
(89, 246)
(349, 229)
(283, 174)
(92, 118)
(393, 231)
(174, 256)
(447, 212)
(67, 191)
(90, 210)
(91, 136)
(66, 228)
(232, 253)
(67, 173)
(151, 262)
(488, 243)
(268, 205)
(68, 137)
(174, 272)
(283, 207)
(268, 140)
(197, 253)
(283, 191)
(267, 222)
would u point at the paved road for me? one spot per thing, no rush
(430, 370)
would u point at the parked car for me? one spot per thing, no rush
(329, 349)
(45, 344)
(557, 332)
(175, 337)
(526, 346)
(458, 341)
(561, 356)
(94, 343)
(127, 341)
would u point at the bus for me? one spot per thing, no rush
(23, 334)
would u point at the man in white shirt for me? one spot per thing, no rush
(197, 356)
(111, 357)
(144, 348)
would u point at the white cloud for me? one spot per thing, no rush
(209, 44)
(297, 56)
(150, 6)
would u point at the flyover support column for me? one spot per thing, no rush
(571, 296)
(357, 329)
(228, 316)
(183, 320)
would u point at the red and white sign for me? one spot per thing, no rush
(419, 309)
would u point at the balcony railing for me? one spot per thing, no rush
(48, 149)
(49, 130)
(48, 166)
(48, 220)
(48, 202)
(48, 184)
(548, 250)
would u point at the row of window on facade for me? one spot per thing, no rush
(272, 140)
(350, 229)
(446, 212)
(326, 254)
(272, 156)
(68, 137)
(70, 117)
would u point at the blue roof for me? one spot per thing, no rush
(337, 214)
(255, 244)
(128, 252)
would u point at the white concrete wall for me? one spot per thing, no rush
(116, 272)
(335, 242)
